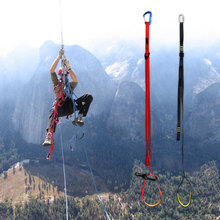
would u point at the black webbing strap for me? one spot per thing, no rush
(180, 125)
(180, 83)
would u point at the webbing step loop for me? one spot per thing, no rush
(150, 177)
(180, 121)
(190, 195)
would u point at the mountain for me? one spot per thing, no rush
(119, 99)
(114, 134)
(18, 185)
(127, 109)
(205, 116)
(125, 62)
(114, 128)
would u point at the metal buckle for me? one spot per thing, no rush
(181, 18)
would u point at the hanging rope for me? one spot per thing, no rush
(69, 93)
(64, 173)
(61, 27)
(180, 124)
(148, 176)
(93, 178)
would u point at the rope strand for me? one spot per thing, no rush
(93, 178)
(61, 27)
(64, 173)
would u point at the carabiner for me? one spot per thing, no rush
(150, 16)
(181, 18)
(190, 196)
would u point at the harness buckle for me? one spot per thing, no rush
(150, 16)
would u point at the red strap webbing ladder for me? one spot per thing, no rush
(148, 176)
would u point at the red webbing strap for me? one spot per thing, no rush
(55, 119)
(147, 118)
(147, 101)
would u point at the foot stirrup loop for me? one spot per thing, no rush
(151, 177)
(190, 196)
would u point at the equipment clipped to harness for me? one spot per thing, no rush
(180, 128)
(148, 176)
(55, 116)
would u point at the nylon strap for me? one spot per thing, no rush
(147, 98)
(55, 120)
(180, 124)
(148, 176)
(180, 85)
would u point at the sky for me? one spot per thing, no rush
(89, 22)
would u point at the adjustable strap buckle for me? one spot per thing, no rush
(147, 55)
(146, 176)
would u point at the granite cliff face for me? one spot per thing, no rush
(120, 91)
(204, 120)
(202, 75)
(128, 111)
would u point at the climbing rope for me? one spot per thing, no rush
(64, 173)
(65, 88)
(93, 178)
(180, 124)
(148, 176)
(61, 26)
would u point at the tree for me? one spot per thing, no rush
(5, 175)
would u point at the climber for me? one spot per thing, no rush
(66, 107)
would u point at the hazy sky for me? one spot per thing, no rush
(88, 22)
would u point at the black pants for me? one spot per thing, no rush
(67, 108)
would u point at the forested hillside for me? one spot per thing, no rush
(128, 205)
